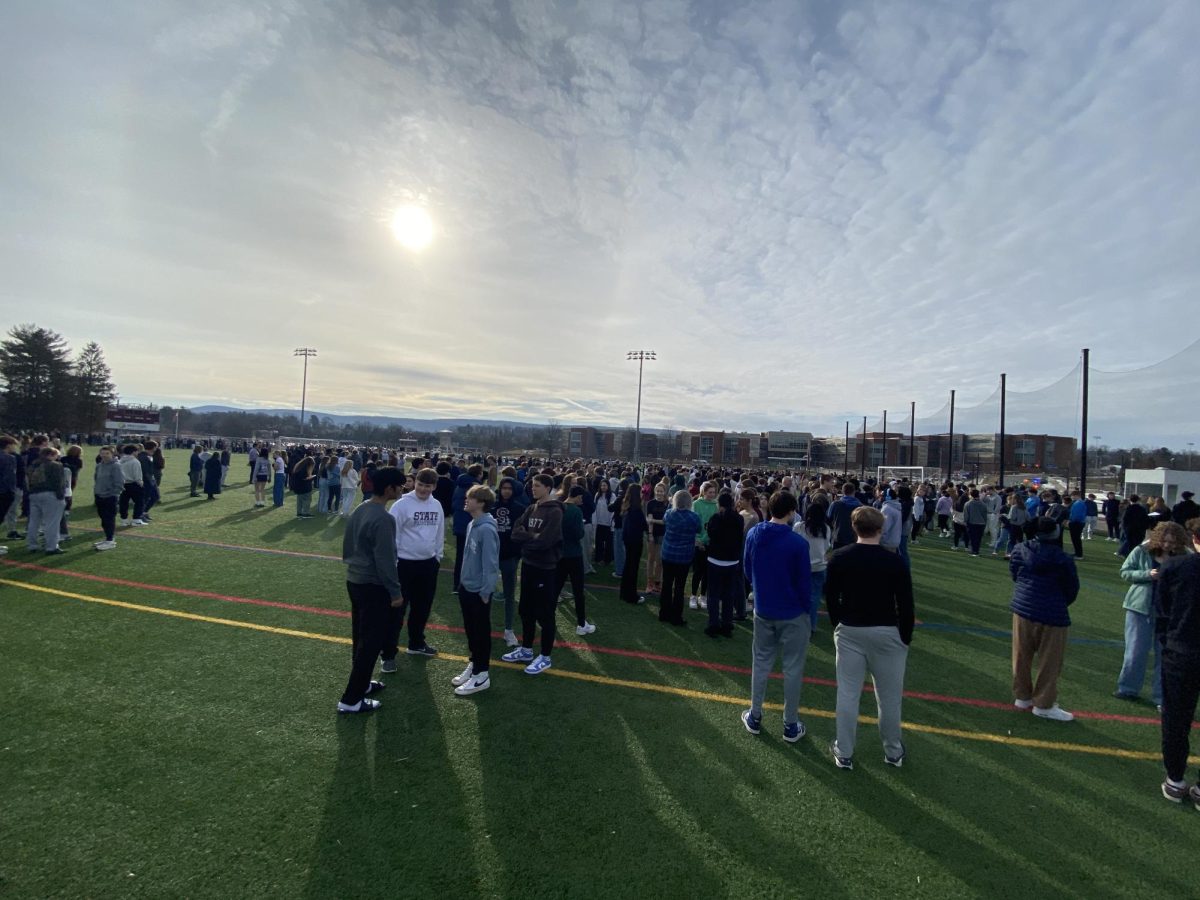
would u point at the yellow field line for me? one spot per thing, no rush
(607, 681)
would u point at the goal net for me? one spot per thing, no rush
(911, 474)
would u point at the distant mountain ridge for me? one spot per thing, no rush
(409, 423)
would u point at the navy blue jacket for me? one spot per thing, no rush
(1046, 582)
(462, 518)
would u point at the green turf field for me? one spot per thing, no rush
(156, 755)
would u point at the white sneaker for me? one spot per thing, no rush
(693, 603)
(1055, 712)
(464, 676)
(3, 551)
(702, 601)
(474, 685)
(139, 522)
(126, 522)
(585, 628)
(1023, 704)
(539, 665)
(106, 545)
(510, 637)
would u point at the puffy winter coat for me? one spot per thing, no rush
(1046, 582)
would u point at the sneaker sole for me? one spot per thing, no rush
(474, 690)
(746, 724)
(794, 740)
(1171, 798)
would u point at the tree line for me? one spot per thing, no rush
(43, 387)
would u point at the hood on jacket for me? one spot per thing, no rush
(518, 492)
(465, 481)
(484, 521)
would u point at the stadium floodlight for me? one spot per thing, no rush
(641, 356)
(306, 352)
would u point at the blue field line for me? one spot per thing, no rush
(1001, 633)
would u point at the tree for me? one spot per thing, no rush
(552, 437)
(35, 371)
(94, 390)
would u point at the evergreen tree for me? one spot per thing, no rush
(94, 390)
(35, 376)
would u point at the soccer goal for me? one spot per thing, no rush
(911, 474)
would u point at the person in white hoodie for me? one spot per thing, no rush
(420, 543)
(893, 521)
(477, 583)
(350, 481)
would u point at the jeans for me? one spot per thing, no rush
(816, 581)
(322, 496)
(335, 497)
(724, 588)
(195, 477)
(879, 650)
(508, 580)
(277, 488)
(45, 512)
(1139, 641)
(150, 495)
(304, 504)
(771, 636)
(619, 556)
(589, 541)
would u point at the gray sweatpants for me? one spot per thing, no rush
(877, 648)
(770, 636)
(10, 518)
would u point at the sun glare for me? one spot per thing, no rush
(413, 228)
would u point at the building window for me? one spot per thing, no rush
(706, 448)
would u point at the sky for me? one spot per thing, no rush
(812, 212)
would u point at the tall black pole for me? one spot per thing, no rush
(846, 455)
(912, 431)
(306, 352)
(1003, 400)
(950, 453)
(637, 426)
(862, 472)
(885, 437)
(1083, 435)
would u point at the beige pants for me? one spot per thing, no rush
(1046, 643)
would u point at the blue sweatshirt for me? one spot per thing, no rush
(462, 518)
(481, 556)
(1078, 513)
(778, 566)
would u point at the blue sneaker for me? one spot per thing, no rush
(753, 723)
(842, 762)
(518, 654)
(793, 732)
(538, 666)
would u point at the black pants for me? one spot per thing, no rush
(604, 545)
(536, 606)
(477, 622)
(6, 500)
(917, 524)
(132, 492)
(370, 608)
(194, 479)
(107, 508)
(1076, 529)
(671, 599)
(335, 497)
(960, 533)
(724, 588)
(700, 571)
(418, 584)
(460, 543)
(975, 537)
(1181, 689)
(943, 521)
(629, 578)
(572, 567)
(1112, 525)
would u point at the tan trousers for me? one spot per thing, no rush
(1046, 643)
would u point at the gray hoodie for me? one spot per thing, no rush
(481, 556)
(893, 523)
(110, 480)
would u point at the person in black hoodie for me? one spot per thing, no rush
(1179, 630)
(443, 491)
(538, 532)
(725, 538)
(509, 506)
(1134, 523)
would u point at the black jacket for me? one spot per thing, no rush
(1178, 599)
(725, 535)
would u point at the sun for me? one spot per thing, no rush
(413, 228)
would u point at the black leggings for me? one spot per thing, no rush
(671, 603)
(572, 567)
(536, 606)
(604, 545)
(629, 577)
(700, 571)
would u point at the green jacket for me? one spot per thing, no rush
(1136, 570)
(705, 509)
(572, 531)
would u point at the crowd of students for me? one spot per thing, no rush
(754, 545)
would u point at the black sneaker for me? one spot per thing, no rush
(422, 651)
(15, 536)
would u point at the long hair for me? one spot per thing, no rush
(1168, 529)
(633, 499)
(814, 520)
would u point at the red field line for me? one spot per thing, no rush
(571, 645)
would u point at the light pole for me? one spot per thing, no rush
(1191, 444)
(306, 352)
(641, 356)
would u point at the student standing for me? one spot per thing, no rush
(839, 516)
(1077, 519)
(538, 532)
(212, 477)
(1179, 611)
(869, 594)
(724, 566)
(420, 543)
(279, 465)
(348, 488)
(680, 538)
(461, 518)
(109, 483)
(1112, 516)
(602, 519)
(975, 519)
(477, 582)
(705, 508)
(132, 495)
(656, 508)
(570, 565)
(1045, 584)
(633, 533)
(46, 480)
(815, 531)
(196, 469)
(260, 475)
(777, 562)
(8, 478)
(303, 476)
(508, 509)
(369, 552)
